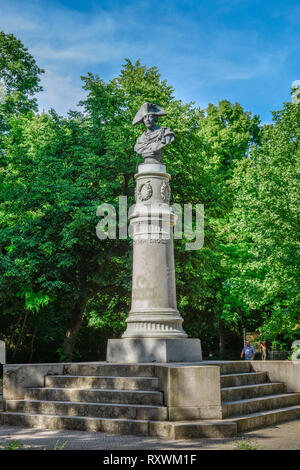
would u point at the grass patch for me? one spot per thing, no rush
(18, 445)
(247, 444)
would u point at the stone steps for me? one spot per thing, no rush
(125, 399)
(194, 429)
(109, 369)
(265, 418)
(79, 423)
(241, 392)
(97, 382)
(88, 409)
(141, 397)
(246, 378)
(163, 429)
(251, 401)
(253, 405)
(237, 367)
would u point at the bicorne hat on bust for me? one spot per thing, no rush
(148, 108)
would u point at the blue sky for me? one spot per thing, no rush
(241, 50)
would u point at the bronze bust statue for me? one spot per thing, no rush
(152, 141)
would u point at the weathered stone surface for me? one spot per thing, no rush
(17, 377)
(109, 369)
(111, 383)
(100, 410)
(231, 367)
(191, 392)
(192, 430)
(113, 426)
(254, 405)
(281, 371)
(251, 391)
(247, 378)
(95, 396)
(154, 350)
(153, 311)
(266, 418)
(153, 316)
(187, 403)
(2, 352)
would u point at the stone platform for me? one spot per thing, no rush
(174, 401)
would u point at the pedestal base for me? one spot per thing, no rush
(136, 350)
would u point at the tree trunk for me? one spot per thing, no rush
(221, 337)
(20, 335)
(31, 345)
(73, 329)
(11, 340)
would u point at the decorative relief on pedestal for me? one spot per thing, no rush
(144, 192)
(152, 326)
(165, 191)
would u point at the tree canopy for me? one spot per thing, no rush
(63, 291)
(19, 80)
(263, 237)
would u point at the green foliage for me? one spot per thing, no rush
(13, 445)
(18, 445)
(247, 444)
(63, 292)
(51, 187)
(60, 446)
(19, 80)
(262, 246)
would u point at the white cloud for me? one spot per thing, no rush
(63, 41)
(53, 20)
(200, 51)
(60, 92)
(89, 53)
(207, 71)
(15, 23)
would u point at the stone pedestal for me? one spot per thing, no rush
(136, 350)
(154, 326)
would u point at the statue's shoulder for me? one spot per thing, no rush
(166, 130)
(167, 135)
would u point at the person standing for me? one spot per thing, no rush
(263, 348)
(248, 352)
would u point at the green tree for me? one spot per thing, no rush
(57, 278)
(207, 146)
(19, 80)
(228, 132)
(263, 245)
(51, 258)
(55, 173)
